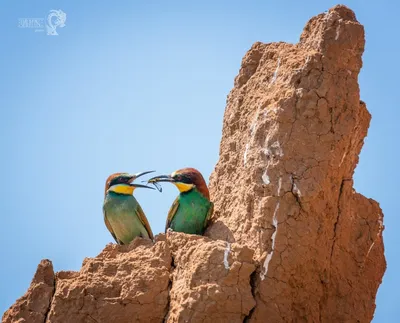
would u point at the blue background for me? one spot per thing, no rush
(140, 85)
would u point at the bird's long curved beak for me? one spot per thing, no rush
(135, 176)
(161, 178)
(142, 186)
(142, 173)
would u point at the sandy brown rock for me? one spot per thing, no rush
(293, 129)
(211, 280)
(181, 278)
(33, 307)
(122, 284)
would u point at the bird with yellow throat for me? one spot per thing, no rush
(192, 209)
(123, 215)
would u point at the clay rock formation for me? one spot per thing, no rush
(290, 239)
(293, 129)
(34, 305)
(179, 278)
(210, 280)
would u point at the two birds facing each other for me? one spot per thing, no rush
(126, 220)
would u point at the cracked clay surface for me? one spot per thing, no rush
(294, 126)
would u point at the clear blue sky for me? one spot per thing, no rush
(142, 85)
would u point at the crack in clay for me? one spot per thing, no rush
(245, 153)
(338, 29)
(253, 285)
(376, 238)
(295, 190)
(252, 133)
(168, 306)
(273, 237)
(265, 178)
(337, 32)
(91, 317)
(279, 185)
(276, 71)
(344, 156)
(336, 223)
(51, 300)
(226, 254)
(304, 66)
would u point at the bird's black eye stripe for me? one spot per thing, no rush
(117, 180)
(114, 181)
(183, 179)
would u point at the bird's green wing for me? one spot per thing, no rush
(171, 213)
(109, 227)
(209, 214)
(145, 222)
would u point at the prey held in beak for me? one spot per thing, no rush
(135, 176)
(161, 178)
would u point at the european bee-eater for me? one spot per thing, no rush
(123, 215)
(192, 209)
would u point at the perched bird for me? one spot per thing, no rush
(192, 209)
(123, 215)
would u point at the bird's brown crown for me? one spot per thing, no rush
(113, 179)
